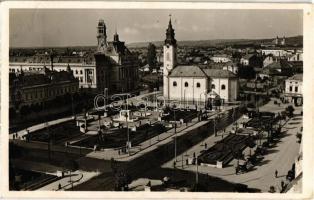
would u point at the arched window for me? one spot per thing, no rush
(186, 84)
(174, 83)
(198, 85)
(213, 86)
(223, 87)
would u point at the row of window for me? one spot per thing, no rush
(56, 92)
(198, 85)
(295, 89)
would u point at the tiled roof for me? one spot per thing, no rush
(248, 56)
(219, 73)
(187, 71)
(298, 77)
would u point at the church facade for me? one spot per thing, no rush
(194, 83)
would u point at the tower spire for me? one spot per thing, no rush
(170, 40)
(116, 36)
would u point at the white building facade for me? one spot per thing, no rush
(192, 83)
(294, 89)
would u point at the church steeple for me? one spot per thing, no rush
(170, 40)
(116, 37)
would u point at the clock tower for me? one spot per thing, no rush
(170, 57)
(101, 36)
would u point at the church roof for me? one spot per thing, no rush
(187, 71)
(219, 73)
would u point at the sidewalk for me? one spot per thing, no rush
(281, 157)
(77, 177)
(37, 127)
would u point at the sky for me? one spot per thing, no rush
(77, 27)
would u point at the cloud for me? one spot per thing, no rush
(156, 25)
(131, 30)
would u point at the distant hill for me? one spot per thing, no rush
(295, 40)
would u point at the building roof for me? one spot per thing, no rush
(298, 77)
(248, 56)
(221, 55)
(56, 59)
(45, 76)
(187, 71)
(219, 73)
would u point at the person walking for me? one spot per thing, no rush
(282, 184)
(276, 174)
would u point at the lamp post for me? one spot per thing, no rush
(127, 129)
(256, 94)
(196, 173)
(175, 134)
(49, 141)
(201, 98)
(155, 97)
(184, 98)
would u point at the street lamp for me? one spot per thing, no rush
(155, 97)
(215, 126)
(201, 98)
(49, 141)
(175, 133)
(196, 175)
(127, 129)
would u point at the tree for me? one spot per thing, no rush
(246, 72)
(290, 110)
(151, 55)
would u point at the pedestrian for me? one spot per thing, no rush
(282, 184)
(205, 145)
(276, 173)
(119, 152)
(13, 136)
(194, 155)
(236, 170)
(59, 186)
(187, 162)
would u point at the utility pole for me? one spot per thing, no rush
(215, 127)
(175, 136)
(127, 129)
(49, 141)
(196, 175)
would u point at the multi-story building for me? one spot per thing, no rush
(293, 89)
(36, 88)
(112, 66)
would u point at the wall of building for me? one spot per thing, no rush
(86, 74)
(220, 59)
(218, 83)
(291, 86)
(233, 90)
(191, 92)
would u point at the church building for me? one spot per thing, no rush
(194, 83)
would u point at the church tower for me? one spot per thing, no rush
(170, 57)
(101, 36)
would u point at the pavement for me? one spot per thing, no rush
(280, 158)
(70, 180)
(20, 134)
